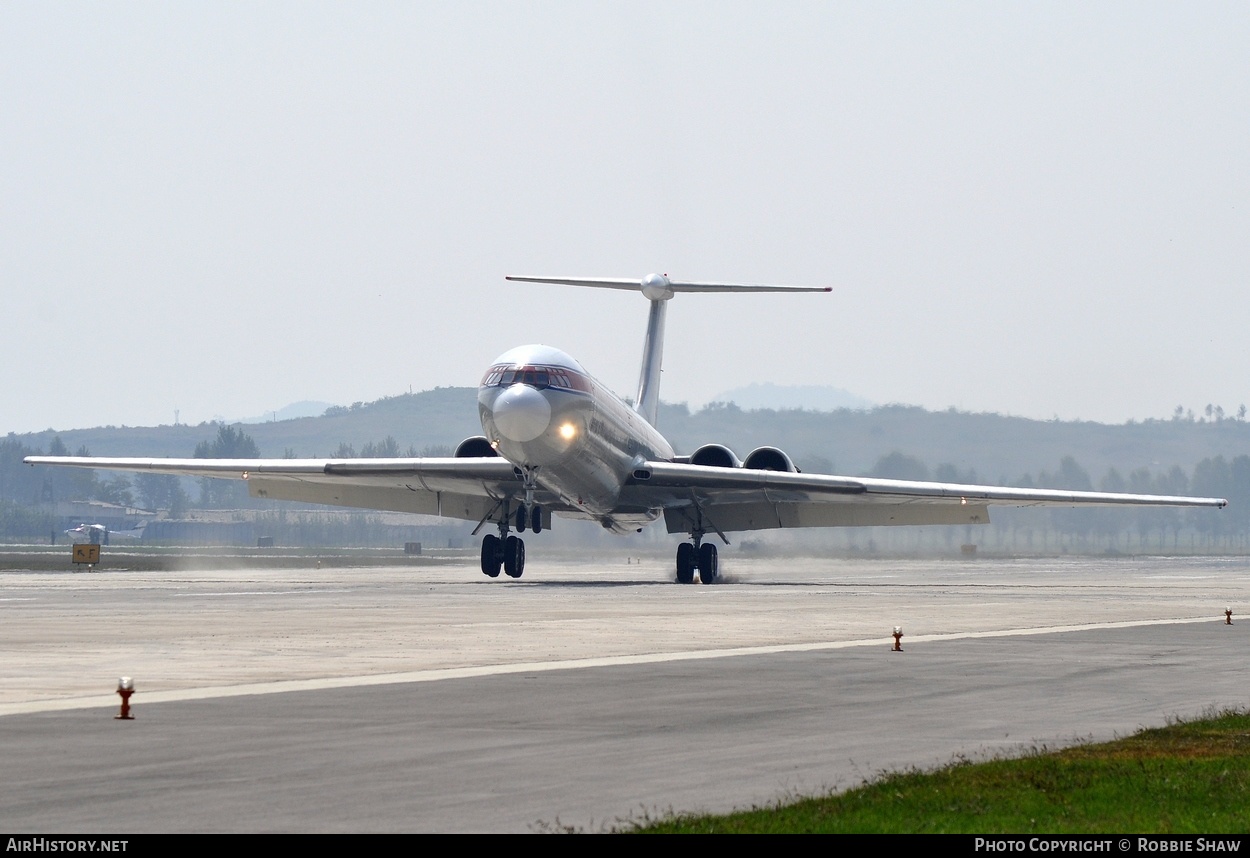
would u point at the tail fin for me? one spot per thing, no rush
(658, 289)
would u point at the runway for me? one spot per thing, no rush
(433, 699)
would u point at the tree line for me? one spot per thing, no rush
(26, 488)
(27, 493)
(1143, 527)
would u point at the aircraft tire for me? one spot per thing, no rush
(514, 557)
(685, 563)
(492, 555)
(521, 517)
(709, 565)
(536, 519)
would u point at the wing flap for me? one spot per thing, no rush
(398, 499)
(761, 516)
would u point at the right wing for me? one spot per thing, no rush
(728, 499)
(467, 488)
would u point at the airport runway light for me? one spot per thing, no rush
(125, 688)
(1228, 616)
(898, 638)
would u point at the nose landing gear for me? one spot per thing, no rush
(531, 516)
(528, 513)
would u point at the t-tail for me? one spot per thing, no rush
(658, 289)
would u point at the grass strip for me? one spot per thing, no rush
(1188, 777)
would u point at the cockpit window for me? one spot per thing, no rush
(540, 377)
(493, 376)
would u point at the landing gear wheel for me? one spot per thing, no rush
(536, 519)
(492, 555)
(709, 569)
(685, 563)
(521, 518)
(514, 556)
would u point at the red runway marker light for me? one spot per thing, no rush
(125, 688)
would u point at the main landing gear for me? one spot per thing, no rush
(508, 552)
(697, 555)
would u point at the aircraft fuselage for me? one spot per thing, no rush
(544, 413)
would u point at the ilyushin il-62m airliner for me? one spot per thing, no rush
(556, 441)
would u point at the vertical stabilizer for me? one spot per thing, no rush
(648, 401)
(658, 289)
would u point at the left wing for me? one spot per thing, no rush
(467, 488)
(726, 499)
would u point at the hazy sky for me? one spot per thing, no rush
(1035, 208)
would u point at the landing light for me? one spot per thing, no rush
(568, 431)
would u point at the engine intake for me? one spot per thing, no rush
(769, 459)
(476, 447)
(715, 456)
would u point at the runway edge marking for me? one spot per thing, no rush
(288, 685)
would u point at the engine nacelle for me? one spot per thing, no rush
(769, 459)
(715, 456)
(477, 447)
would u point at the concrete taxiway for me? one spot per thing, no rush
(429, 698)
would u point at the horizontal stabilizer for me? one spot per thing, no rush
(658, 287)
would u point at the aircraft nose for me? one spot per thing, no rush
(521, 413)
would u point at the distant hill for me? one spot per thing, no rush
(997, 448)
(811, 397)
(305, 408)
(443, 416)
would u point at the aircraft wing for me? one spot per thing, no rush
(720, 499)
(466, 488)
(728, 499)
